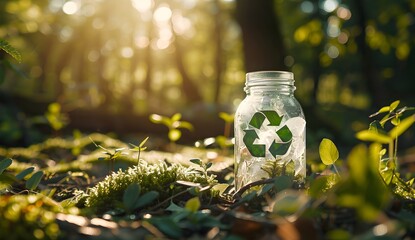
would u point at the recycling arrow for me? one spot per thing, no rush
(256, 150)
(276, 148)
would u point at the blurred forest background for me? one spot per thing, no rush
(110, 64)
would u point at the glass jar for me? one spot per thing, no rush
(269, 129)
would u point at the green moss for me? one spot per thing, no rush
(29, 217)
(160, 177)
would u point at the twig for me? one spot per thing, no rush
(239, 193)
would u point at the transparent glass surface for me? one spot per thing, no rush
(269, 130)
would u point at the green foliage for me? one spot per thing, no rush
(4, 45)
(276, 168)
(34, 180)
(186, 220)
(378, 133)
(132, 198)
(160, 178)
(31, 183)
(174, 124)
(29, 217)
(175, 201)
(5, 163)
(56, 119)
(139, 148)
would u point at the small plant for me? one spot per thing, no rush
(378, 134)
(133, 199)
(224, 140)
(174, 124)
(56, 119)
(186, 220)
(139, 148)
(31, 183)
(112, 155)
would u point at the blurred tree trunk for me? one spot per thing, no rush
(218, 55)
(368, 69)
(149, 60)
(261, 34)
(190, 90)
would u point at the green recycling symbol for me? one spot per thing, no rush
(276, 148)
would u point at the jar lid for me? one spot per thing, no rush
(269, 78)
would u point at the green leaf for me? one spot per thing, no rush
(185, 125)
(402, 127)
(174, 208)
(371, 136)
(375, 126)
(159, 119)
(143, 142)
(146, 199)
(290, 203)
(208, 165)
(227, 117)
(283, 182)
(24, 173)
(328, 152)
(168, 226)
(290, 168)
(34, 180)
(174, 135)
(10, 50)
(220, 188)
(176, 117)
(5, 163)
(248, 197)
(266, 188)
(196, 161)
(193, 204)
(131, 196)
(394, 105)
(318, 186)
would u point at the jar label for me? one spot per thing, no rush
(278, 142)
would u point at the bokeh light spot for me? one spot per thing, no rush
(307, 7)
(333, 52)
(343, 38)
(71, 7)
(330, 5)
(142, 5)
(127, 52)
(344, 13)
(162, 14)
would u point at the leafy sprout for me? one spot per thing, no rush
(173, 123)
(378, 133)
(112, 155)
(139, 148)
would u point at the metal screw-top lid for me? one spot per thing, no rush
(270, 79)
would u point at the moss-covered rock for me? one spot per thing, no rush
(160, 177)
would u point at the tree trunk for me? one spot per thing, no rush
(218, 55)
(263, 44)
(190, 90)
(368, 70)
